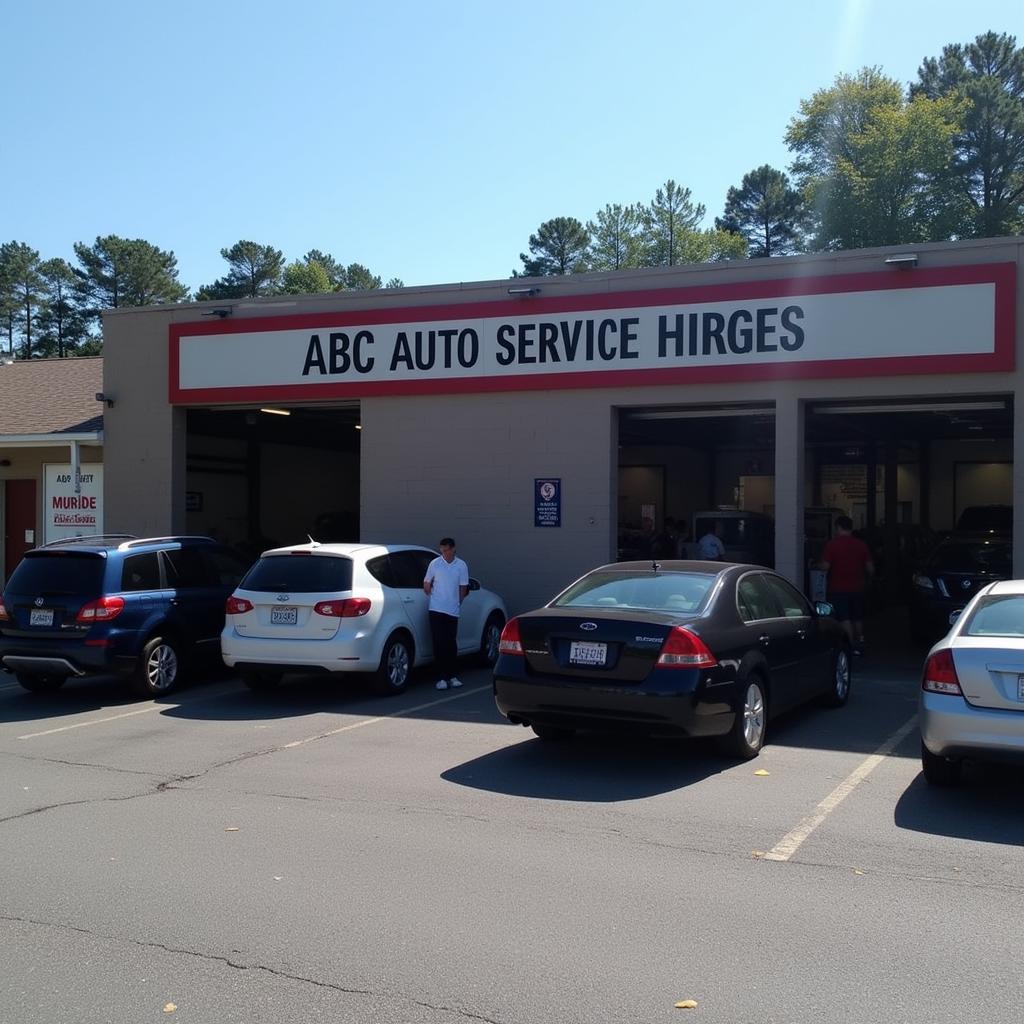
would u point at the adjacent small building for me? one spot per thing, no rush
(51, 453)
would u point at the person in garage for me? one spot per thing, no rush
(847, 562)
(446, 584)
(710, 546)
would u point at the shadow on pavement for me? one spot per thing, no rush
(591, 768)
(987, 806)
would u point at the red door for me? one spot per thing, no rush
(19, 521)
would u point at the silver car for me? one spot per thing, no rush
(972, 688)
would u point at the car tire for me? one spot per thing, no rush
(838, 692)
(261, 682)
(159, 667)
(392, 676)
(39, 684)
(940, 771)
(490, 639)
(552, 733)
(746, 737)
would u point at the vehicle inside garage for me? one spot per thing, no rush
(908, 472)
(259, 477)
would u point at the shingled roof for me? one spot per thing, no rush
(50, 396)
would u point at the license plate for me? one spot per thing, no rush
(1020, 687)
(583, 653)
(40, 617)
(284, 616)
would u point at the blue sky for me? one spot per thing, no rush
(424, 140)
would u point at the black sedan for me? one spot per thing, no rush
(953, 573)
(674, 648)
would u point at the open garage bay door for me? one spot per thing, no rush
(259, 477)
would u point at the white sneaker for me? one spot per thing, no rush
(454, 683)
(442, 684)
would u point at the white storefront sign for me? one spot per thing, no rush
(69, 513)
(821, 327)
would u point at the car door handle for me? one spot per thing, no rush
(764, 639)
(801, 634)
(409, 600)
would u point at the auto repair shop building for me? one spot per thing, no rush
(539, 421)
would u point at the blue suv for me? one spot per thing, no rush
(90, 606)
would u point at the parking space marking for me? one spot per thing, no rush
(96, 721)
(791, 842)
(384, 718)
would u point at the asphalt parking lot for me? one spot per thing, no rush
(322, 854)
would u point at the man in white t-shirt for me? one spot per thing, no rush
(447, 584)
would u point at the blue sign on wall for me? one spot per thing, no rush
(547, 501)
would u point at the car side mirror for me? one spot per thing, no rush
(824, 608)
(474, 584)
(953, 616)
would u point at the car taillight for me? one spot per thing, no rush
(510, 642)
(349, 608)
(683, 649)
(237, 606)
(102, 610)
(940, 674)
(4, 617)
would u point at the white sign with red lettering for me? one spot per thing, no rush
(69, 512)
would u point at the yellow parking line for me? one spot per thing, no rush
(791, 842)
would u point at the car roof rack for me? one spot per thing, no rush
(92, 539)
(140, 541)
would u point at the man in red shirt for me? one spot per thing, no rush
(847, 561)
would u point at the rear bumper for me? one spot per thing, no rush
(50, 659)
(665, 710)
(296, 655)
(950, 727)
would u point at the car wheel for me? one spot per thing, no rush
(395, 666)
(552, 733)
(839, 684)
(939, 771)
(158, 668)
(490, 639)
(39, 684)
(261, 682)
(746, 737)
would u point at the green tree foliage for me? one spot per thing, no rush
(394, 282)
(766, 210)
(359, 278)
(988, 168)
(616, 238)
(874, 167)
(22, 286)
(305, 277)
(115, 272)
(669, 218)
(335, 271)
(253, 270)
(61, 326)
(559, 246)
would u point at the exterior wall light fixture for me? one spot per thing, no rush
(526, 290)
(902, 261)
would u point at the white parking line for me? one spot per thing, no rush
(97, 721)
(791, 842)
(384, 718)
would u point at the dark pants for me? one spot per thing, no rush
(445, 631)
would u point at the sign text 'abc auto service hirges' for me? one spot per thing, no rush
(944, 320)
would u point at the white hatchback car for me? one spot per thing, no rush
(346, 608)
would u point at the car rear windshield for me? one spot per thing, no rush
(982, 556)
(997, 616)
(300, 574)
(666, 592)
(58, 573)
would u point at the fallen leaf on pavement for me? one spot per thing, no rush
(232, 828)
(761, 771)
(686, 1004)
(757, 853)
(170, 1008)
(857, 871)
